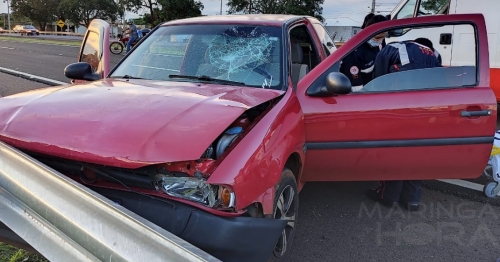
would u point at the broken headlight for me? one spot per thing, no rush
(196, 190)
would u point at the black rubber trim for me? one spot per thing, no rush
(400, 143)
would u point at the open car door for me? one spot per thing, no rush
(95, 48)
(432, 123)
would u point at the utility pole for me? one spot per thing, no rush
(8, 12)
(220, 7)
(373, 6)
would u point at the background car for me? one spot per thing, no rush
(26, 29)
(2, 31)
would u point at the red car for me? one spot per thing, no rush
(212, 125)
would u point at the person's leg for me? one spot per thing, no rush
(391, 190)
(387, 193)
(411, 194)
(129, 45)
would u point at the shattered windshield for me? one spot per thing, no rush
(245, 54)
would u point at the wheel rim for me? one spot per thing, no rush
(285, 210)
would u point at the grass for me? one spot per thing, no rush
(40, 41)
(12, 254)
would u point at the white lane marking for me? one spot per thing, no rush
(464, 183)
(33, 77)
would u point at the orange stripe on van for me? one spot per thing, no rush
(495, 82)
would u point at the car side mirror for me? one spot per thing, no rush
(81, 71)
(396, 32)
(336, 84)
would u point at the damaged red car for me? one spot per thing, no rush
(211, 126)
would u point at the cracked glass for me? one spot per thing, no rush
(249, 54)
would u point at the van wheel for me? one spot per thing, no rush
(286, 206)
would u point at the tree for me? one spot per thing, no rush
(164, 10)
(40, 12)
(292, 7)
(178, 9)
(136, 5)
(82, 12)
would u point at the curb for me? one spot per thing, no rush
(35, 78)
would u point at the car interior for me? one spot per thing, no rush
(304, 56)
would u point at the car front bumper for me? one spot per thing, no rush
(239, 239)
(226, 238)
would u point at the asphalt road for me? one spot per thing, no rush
(336, 222)
(41, 59)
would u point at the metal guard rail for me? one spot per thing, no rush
(66, 221)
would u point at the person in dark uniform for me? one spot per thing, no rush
(395, 57)
(367, 18)
(358, 65)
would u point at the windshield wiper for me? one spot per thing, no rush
(127, 77)
(208, 79)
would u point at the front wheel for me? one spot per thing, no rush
(286, 206)
(116, 48)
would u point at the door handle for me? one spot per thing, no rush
(466, 113)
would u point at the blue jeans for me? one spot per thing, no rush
(129, 43)
(399, 190)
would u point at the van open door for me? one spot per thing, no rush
(440, 36)
(95, 48)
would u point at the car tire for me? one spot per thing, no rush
(286, 206)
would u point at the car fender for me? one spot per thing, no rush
(253, 167)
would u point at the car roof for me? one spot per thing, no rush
(257, 19)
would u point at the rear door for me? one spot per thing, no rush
(432, 123)
(95, 47)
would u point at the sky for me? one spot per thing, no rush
(335, 12)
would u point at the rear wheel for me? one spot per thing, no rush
(116, 48)
(286, 206)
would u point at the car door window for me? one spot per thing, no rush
(407, 10)
(459, 75)
(91, 51)
(325, 38)
(426, 7)
(299, 35)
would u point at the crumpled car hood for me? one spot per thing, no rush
(123, 123)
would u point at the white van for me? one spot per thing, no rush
(454, 43)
